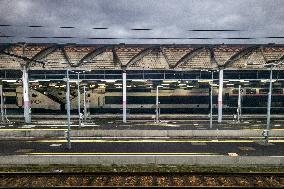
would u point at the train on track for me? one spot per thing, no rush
(143, 100)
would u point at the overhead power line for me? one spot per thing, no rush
(105, 28)
(140, 38)
(218, 30)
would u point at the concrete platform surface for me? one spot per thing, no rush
(96, 132)
(143, 151)
(147, 116)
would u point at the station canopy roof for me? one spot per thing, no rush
(141, 57)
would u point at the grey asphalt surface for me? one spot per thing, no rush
(79, 146)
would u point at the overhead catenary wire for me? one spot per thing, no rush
(104, 27)
(140, 38)
(132, 29)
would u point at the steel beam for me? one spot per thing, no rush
(43, 53)
(244, 52)
(116, 59)
(141, 54)
(166, 57)
(276, 62)
(213, 60)
(5, 47)
(88, 57)
(188, 56)
(66, 57)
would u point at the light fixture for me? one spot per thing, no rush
(244, 81)
(33, 81)
(109, 80)
(10, 81)
(169, 81)
(139, 80)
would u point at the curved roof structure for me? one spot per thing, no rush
(140, 57)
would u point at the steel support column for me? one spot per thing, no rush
(239, 109)
(220, 96)
(26, 96)
(2, 102)
(157, 104)
(85, 107)
(211, 103)
(268, 107)
(124, 96)
(68, 111)
(79, 100)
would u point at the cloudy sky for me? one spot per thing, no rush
(166, 19)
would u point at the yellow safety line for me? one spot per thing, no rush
(134, 141)
(154, 141)
(27, 129)
(262, 129)
(261, 137)
(118, 153)
(58, 129)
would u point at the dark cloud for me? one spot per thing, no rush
(166, 18)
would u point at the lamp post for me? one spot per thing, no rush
(79, 97)
(157, 103)
(265, 132)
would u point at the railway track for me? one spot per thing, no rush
(140, 179)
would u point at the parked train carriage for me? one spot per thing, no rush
(254, 100)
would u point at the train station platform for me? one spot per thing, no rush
(145, 116)
(143, 126)
(142, 151)
(60, 132)
(174, 140)
(178, 128)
